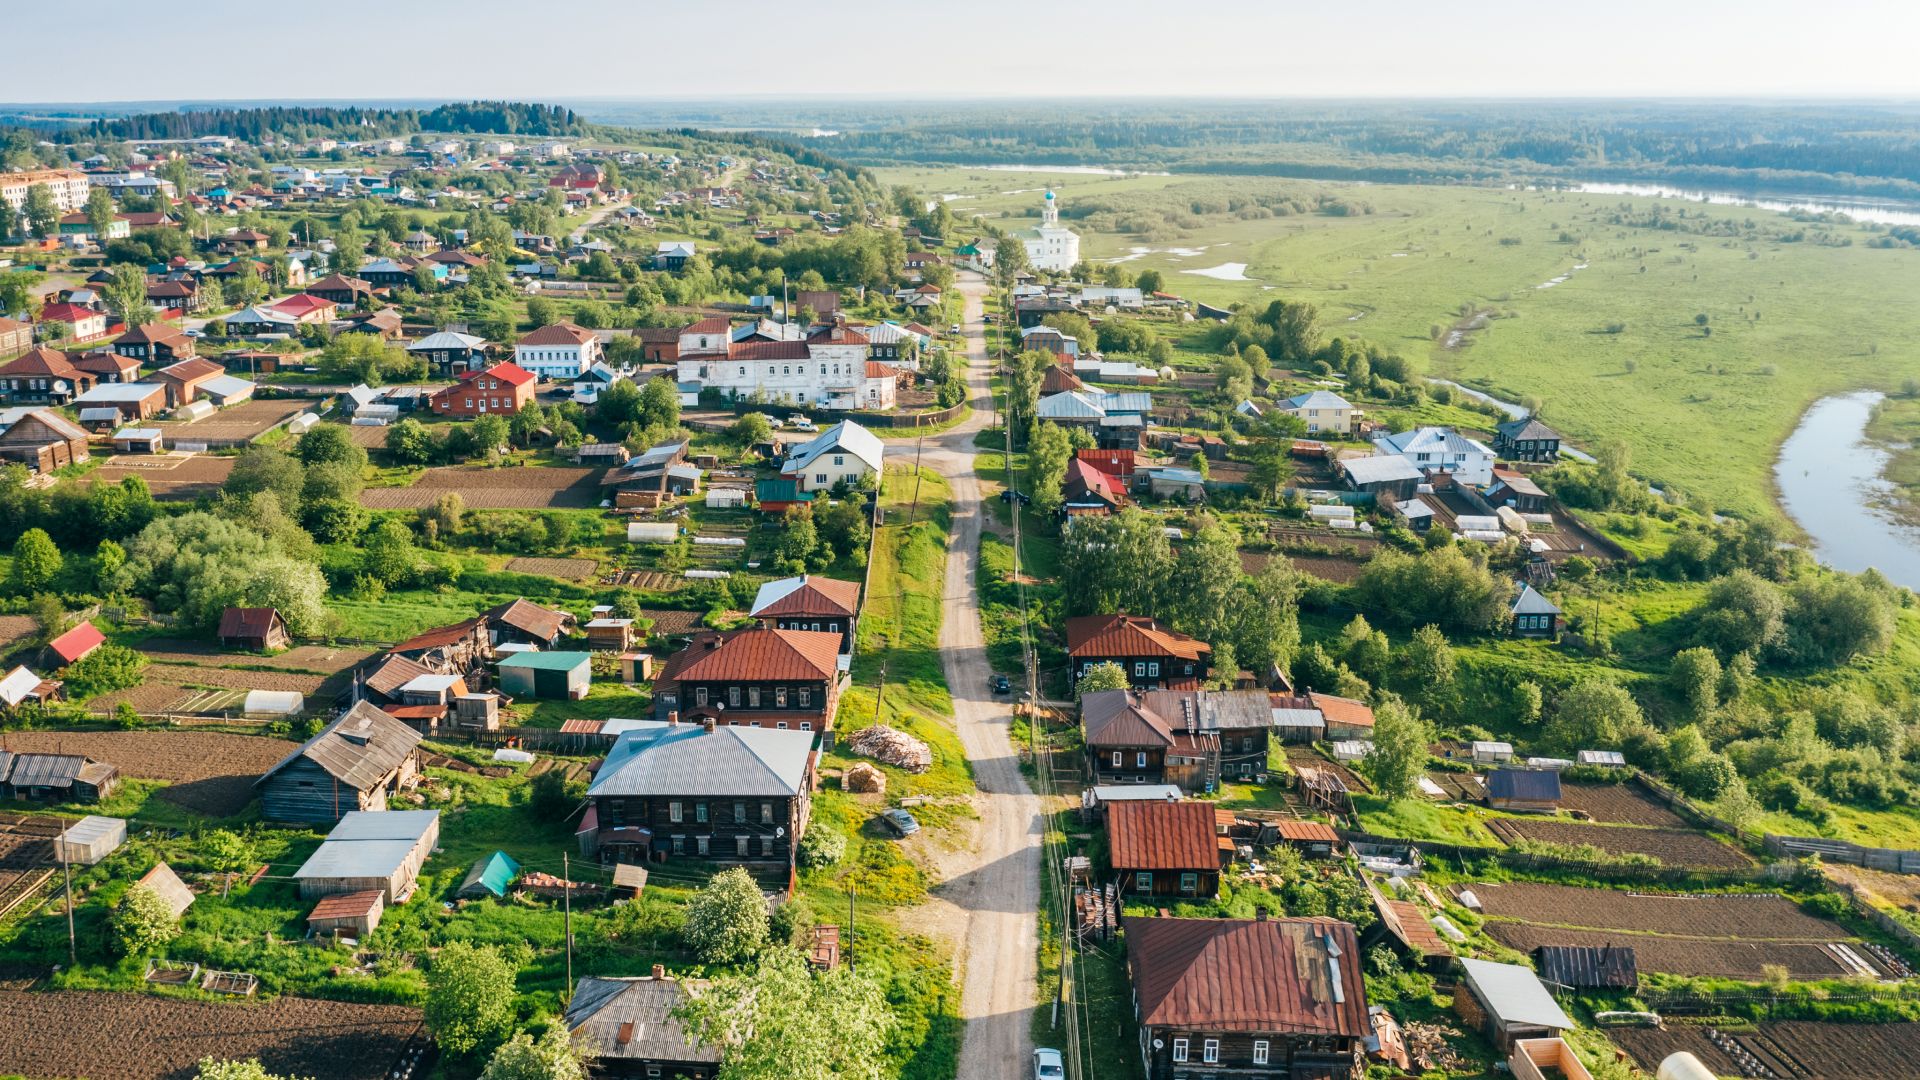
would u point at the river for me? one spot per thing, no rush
(1831, 484)
(1876, 211)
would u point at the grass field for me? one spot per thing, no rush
(1791, 321)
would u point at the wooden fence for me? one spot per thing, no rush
(1626, 873)
(1891, 860)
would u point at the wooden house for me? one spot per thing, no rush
(756, 677)
(1270, 998)
(524, 622)
(464, 646)
(1153, 656)
(43, 441)
(353, 914)
(1518, 491)
(369, 850)
(77, 644)
(1526, 439)
(1534, 615)
(60, 778)
(718, 794)
(1345, 718)
(807, 602)
(1529, 790)
(256, 629)
(625, 1028)
(353, 764)
(156, 345)
(1165, 848)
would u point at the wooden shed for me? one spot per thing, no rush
(352, 914)
(258, 629)
(381, 850)
(354, 763)
(1532, 790)
(89, 840)
(61, 778)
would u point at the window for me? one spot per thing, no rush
(780, 697)
(1119, 759)
(739, 813)
(839, 459)
(733, 697)
(806, 697)
(701, 845)
(766, 846)
(740, 846)
(1259, 1051)
(820, 478)
(699, 695)
(1190, 883)
(1140, 759)
(766, 813)
(679, 845)
(1139, 669)
(806, 725)
(1179, 1049)
(1153, 669)
(753, 697)
(1210, 1051)
(700, 812)
(1143, 881)
(675, 812)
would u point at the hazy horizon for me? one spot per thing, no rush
(999, 49)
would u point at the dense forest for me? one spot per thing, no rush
(1840, 148)
(309, 122)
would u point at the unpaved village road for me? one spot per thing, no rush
(998, 883)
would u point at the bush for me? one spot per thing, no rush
(142, 922)
(822, 847)
(727, 920)
(1827, 905)
(104, 670)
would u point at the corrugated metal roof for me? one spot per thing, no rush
(1162, 836)
(686, 759)
(390, 673)
(530, 618)
(1530, 602)
(409, 825)
(756, 653)
(1339, 710)
(361, 749)
(46, 770)
(1129, 636)
(353, 905)
(1280, 975)
(1382, 469)
(355, 859)
(557, 660)
(613, 1019)
(1307, 832)
(1514, 995)
(806, 595)
(1588, 967)
(1532, 785)
(1408, 923)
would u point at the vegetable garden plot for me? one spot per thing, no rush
(1673, 847)
(1750, 917)
(1702, 956)
(1619, 804)
(1786, 1048)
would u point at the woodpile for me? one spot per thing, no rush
(865, 779)
(892, 747)
(1428, 1047)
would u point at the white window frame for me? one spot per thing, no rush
(1179, 1049)
(1260, 1051)
(1210, 1051)
(676, 812)
(1119, 759)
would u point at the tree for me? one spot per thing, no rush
(250, 1069)
(126, 295)
(1009, 261)
(542, 312)
(1208, 572)
(409, 442)
(49, 615)
(1742, 613)
(1693, 765)
(523, 1057)
(469, 997)
(487, 434)
(750, 430)
(1694, 678)
(1116, 563)
(367, 358)
(245, 288)
(100, 213)
(226, 852)
(1400, 749)
(659, 405)
(36, 562)
(109, 569)
(43, 216)
(1272, 470)
(268, 469)
(1023, 386)
(798, 541)
(1048, 452)
(327, 443)
(142, 922)
(844, 526)
(782, 1021)
(1595, 714)
(1105, 675)
(727, 919)
(1264, 619)
(102, 671)
(1833, 617)
(387, 555)
(1428, 659)
(1444, 586)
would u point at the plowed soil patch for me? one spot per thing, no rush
(206, 771)
(1825, 1051)
(1754, 918)
(107, 1036)
(300, 658)
(1672, 847)
(565, 569)
(1689, 956)
(493, 489)
(1619, 804)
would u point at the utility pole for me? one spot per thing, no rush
(851, 890)
(566, 894)
(66, 863)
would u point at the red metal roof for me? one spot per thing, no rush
(247, 621)
(1129, 635)
(767, 350)
(155, 333)
(712, 324)
(510, 373)
(1144, 835)
(41, 362)
(300, 304)
(77, 642)
(1339, 710)
(192, 369)
(355, 905)
(1280, 975)
(756, 654)
(560, 333)
(817, 596)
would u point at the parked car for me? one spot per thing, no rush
(1021, 497)
(1048, 1065)
(902, 823)
(954, 329)
(1001, 685)
(801, 423)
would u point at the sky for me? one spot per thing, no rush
(708, 49)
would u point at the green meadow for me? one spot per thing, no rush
(1795, 310)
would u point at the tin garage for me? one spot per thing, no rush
(554, 676)
(371, 850)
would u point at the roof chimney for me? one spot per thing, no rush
(673, 717)
(707, 724)
(1260, 913)
(659, 971)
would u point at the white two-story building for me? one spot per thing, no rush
(828, 369)
(1441, 450)
(561, 352)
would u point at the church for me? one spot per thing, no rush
(1051, 247)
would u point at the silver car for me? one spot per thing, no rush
(1048, 1065)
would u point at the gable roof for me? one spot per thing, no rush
(440, 636)
(1069, 405)
(1296, 975)
(42, 362)
(756, 653)
(560, 333)
(656, 758)
(77, 642)
(248, 621)
(1526, 428)
(1380, 469)
(361, 749)
(492, 874)
(302, 304)
(1318, 399)
(1528, 784)
(507, 372)
(340, 283)
(154, 333)
(807, 595)
(1431, 440)
(530, 618)
(614, 1018)
(191, 369)
(1160, 717)
(390, 673)
(446, 340)
(848, 436)
(1162, 836)
(1340, 710)
(46, 770)
(1130, 635)
(14, 689)
(1090, 479)
(1530, 602)
(167, 885)
(53, 423)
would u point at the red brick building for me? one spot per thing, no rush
(502, 388)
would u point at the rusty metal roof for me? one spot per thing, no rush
(1254, 975)
(1129, 635)
(1307, 831)
(1162, 836)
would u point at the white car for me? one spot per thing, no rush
(801, 423)
(1048, 1065)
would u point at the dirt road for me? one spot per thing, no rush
(998, 886)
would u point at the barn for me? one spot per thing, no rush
(381, 850)
(553, 676)
(354, 763)
(1533, 790)
(257, 629)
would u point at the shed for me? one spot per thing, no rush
(1512, 1002)
(133, 440)
(256, 628)
(168, 887)
(273, 702)
(490, 876)
(553, 676)
(371, 850)
(652, 532)
(609, 633)
(74, 645)
(20, 684)
(636, 667)
(61, 777)
(354, 914)
(1532, 790)
(1588, 967)
(89, 840)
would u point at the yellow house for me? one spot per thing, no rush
(1325, 412)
